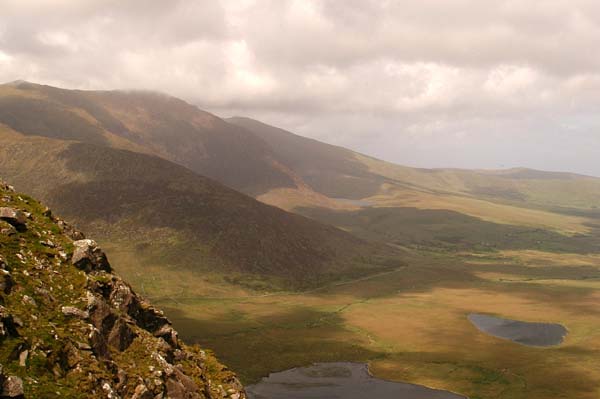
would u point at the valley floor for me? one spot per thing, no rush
(410, 324)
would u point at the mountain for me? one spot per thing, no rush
(169, 215)
(70, 327)
(146, 122)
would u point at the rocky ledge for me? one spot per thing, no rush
(70, 327)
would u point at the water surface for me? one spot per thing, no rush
(338, 380)
(525, 333)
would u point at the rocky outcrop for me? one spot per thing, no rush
(68, 325)
(14, 217)
(87, 256)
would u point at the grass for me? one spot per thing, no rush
(411, 325)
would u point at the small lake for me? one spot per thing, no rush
(338, 380)
(525, 333)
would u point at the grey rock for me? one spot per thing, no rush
(13, 216)
(89, 257)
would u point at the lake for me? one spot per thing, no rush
(522, 332)
(338, 380)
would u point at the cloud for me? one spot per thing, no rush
(432, 83)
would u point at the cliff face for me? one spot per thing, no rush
(69, 327)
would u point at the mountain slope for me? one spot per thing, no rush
(163, 211)
(146, 122)
(71, 328)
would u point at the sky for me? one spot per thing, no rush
(428, 83)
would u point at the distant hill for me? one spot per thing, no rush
(339, 172)
(560, 202)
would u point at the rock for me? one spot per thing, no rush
(121, 335)
(12, 215)
(101, 315)
(12, 387)
(71, 311)
(167, 333)
(99, 345)
(23, 358)
(142, 392)
(48, 243)
(121, 296)
(89, 257)
(29, 300)
(180, 386)
(110, 392)
(148, 317)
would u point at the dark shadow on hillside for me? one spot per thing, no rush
(132, 195)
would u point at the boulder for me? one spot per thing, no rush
(14, 217)
(89, 257)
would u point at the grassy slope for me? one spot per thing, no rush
(172, 217)
(411, 325)
(147, 122)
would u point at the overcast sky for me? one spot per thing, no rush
(430, 83)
